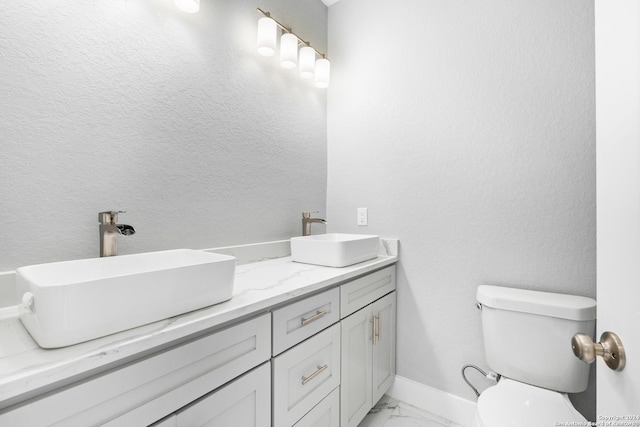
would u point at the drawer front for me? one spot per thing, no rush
(363, 291)
(298, 321)
(325, 414)
(143, 392)
(244, 402)
(304, 375)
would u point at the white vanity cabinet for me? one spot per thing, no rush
(144, 391)
(333, 378)
(319, 361)
(368, 343)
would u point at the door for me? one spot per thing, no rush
(384, 346)
(355, 384)
(618, 201)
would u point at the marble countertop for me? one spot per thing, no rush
(27, 370)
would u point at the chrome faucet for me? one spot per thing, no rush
(307, 221)
(109, 232)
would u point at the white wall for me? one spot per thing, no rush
(134, 105)
(468, 129)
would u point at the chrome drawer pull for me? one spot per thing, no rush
(316, 316)
(320, 370)
(373, 330)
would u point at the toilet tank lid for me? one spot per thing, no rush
(562, 306)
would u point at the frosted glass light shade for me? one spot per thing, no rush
(288, 51)
(323, 71)
(267, 35)
(307, 62)
(189, 6)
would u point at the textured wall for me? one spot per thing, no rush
(134, 105)
(467, 129)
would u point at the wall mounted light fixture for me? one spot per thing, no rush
(288, 51)
(290, 56)
(189, 6)
(267, 29)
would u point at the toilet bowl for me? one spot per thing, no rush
(514, 404)
(527, 340)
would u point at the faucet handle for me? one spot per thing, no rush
(307, 214)
(109, 217)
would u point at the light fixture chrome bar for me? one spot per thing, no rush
(288, 30)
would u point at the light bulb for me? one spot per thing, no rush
(323, 71)
(307, 62)
(267, 36)
(288, 51)
(189, 6)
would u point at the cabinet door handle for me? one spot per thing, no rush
(320, 370)
(378, 333)
(318, 315)
(373, 330)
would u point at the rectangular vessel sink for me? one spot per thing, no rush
(65, 303)
(334, 249)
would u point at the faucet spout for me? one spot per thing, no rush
(307, 221)
(109, 232)
(125, 229)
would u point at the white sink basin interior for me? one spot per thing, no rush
(334, 249)
(65, 303)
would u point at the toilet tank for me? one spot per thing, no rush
(527, 335)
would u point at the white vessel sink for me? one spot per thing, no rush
(334, 249)
(65, 303)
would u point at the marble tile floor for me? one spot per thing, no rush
(390, 412)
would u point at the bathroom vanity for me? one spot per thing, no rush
(296, 345)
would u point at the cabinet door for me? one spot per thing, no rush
(384, 347)
(245, 402)
(355, 390)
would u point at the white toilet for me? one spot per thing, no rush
(527, 340)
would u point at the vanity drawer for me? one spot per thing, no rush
(146, 390)
(298, 321)
(363, 291)
(246, 402)
(325, 414)
(304, 375)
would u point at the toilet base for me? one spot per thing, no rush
(513, 403)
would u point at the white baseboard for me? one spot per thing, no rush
(438, 402)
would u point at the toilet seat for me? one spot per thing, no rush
(514, 404)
